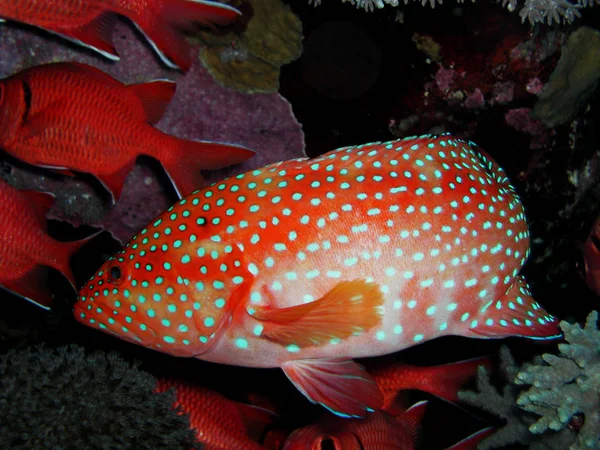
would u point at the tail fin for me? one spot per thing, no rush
(189, 158)
(443, 381)
(63, 254)
(170, 18)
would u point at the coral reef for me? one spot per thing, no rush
(503, 405)
(250, 60)
(564, 392)
(63, 398)
(565, 388)
(534, 11)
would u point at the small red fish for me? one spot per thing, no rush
(307, 264)
(220, 423)
(90, 22)
(26, 250)
(443, 381)
(378, 431)
(591, 258)
(71, 116)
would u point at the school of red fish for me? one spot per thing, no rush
(302, 265)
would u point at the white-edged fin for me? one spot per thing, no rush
(2, 20)
(83, 44)
(161, 55)
(218, 4)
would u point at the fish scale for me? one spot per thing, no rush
(305, 264)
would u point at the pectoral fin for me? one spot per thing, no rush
(350, 308)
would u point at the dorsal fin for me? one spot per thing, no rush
(155, 96)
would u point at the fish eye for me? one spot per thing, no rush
(115, 274)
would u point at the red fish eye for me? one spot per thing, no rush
(115, 274)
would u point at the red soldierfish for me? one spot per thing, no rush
(220, 423)
(26, 250)
(378, 431)
(307, 264)
(90, 22)
(443, 381)
(70, 116)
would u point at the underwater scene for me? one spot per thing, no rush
(299, 224)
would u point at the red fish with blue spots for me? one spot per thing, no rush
(307, 264)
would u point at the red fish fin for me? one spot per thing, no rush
(33, 286)
(96, 34)
(474, 440)
(64, 253)
(65, 172)
(351, 307)
(516, 314)
(340, 385)
(41, 202)
(189, 158)
(165, 31)
(256, 419)
(413, 417)
(114, 182)
(443, 381)
(155, 97)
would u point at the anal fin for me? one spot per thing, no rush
(340, 385)
(33, 286)
(97, 35)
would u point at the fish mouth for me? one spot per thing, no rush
(97, 315)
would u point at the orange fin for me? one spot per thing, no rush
(40, 202)
(165, 32)
(155, 96)
(340, 385)
(351, 307)
(471, 442)
(114, 182)
(33, 286)
(413, 417)
(517, 314)
(443, 381)
(191, 157)
(96, 35)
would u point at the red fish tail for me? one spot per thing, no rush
(443, 381)
(185, 160)
(164, 24)
(61, 257)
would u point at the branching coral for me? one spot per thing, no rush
(534, 11)
(567, 385)
(565, 392)
(66, 399)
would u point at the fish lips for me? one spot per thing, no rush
(101, 317)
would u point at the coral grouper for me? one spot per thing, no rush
(306, 264)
